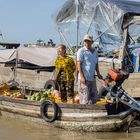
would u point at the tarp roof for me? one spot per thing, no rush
(104, 17)
(69, 8)
(38, 56)
(127, 6)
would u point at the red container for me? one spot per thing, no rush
(114, 75)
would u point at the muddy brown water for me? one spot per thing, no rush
(17, 130)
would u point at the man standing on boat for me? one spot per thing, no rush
(65, 68)
(87, 64)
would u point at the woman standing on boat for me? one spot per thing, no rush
(87, 63)
(65, 68)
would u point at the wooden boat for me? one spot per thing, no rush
(89, 118)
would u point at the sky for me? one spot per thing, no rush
(26, 21)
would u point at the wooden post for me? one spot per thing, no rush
(122, 50)
(137, 63)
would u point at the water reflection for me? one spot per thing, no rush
(17, 130)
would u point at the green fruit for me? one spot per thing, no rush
(45, 93)
(36, 94)
(33, 98)
(42, 99)
(33, 95)
(29, 98)
(44, 96)
(37, 98)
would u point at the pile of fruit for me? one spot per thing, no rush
(3, 87)
(53, 95)
(6, 91)
(13, 93)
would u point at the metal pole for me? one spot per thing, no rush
(90, 23)
(15, 68)
(77, 36)
(69, 46)
(77, 25)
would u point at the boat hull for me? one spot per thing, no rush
(88, 118)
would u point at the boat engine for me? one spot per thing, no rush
(115, 78)
(113, 92)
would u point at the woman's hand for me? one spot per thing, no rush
(83, 80)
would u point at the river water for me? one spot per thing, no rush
(17, 130)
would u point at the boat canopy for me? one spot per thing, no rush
(104, 18)
(38, 56)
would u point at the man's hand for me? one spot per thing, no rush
(100, 76)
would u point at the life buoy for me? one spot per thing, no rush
(44, 111)
(51, 84)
